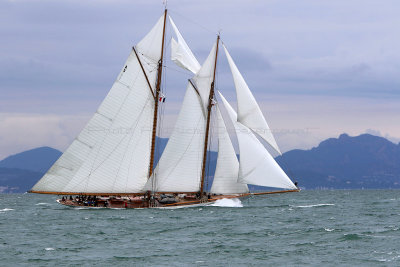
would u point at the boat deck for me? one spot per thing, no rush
(131, 202)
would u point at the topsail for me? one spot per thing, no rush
(249, 113)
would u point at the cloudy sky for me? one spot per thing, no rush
(317, 68)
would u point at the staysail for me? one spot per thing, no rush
(256, 165)
(181, 53)
(249, 113)
(179, 168)
(227, 170)
(112, 153)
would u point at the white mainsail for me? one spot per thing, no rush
(249, 113)
(181, 53)
(112, 153)
(227, 170)
(179, 168)
(256, 165)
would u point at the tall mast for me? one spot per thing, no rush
(209, 107)
(157, 95)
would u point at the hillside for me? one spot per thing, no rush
(364, 161)
(37, 160)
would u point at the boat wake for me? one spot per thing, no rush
(316, 205)
(228, 202)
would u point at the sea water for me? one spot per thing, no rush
(317, 228)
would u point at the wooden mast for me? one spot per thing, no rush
(156, 100)
(209, 107)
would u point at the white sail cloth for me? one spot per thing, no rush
(249, 113)
(181, 53)
(256, 165)
(204, 77)
(112, 153)
(227, 170)
(179, 168)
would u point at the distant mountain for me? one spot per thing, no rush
(364, 161)
(38, 160)
(17, 180)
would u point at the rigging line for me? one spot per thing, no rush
(159, 127)
(194, 22)
(171, 68)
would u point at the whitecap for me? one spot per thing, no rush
(6, 209)
(49, 249)
(315, 205)
(228, 202)
(42, 203)
(328, 230)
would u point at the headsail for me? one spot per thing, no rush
(249, 113)
(112, 153)
(181, 53)
(256, 165)
(180, 165)
(227, 170)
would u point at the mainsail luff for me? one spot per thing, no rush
(157, 95)
(209, 107)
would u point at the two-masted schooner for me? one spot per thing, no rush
(110, 163)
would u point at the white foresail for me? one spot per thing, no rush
(256, 165)
(179, 168)
(227, 170)
(249, 113)
(181, 53)
(112, 153)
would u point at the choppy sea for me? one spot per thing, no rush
(310, 228)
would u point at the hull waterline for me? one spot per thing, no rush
(141, 203)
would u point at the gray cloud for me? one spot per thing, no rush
(59, 58)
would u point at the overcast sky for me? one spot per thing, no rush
(317, 68)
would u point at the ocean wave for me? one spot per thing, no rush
(6, 209)
(42, 203)
(348, 237)
(228, 202)
(315, 205)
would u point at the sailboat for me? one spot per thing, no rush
(111, 162)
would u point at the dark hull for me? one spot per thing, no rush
(141, 203)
